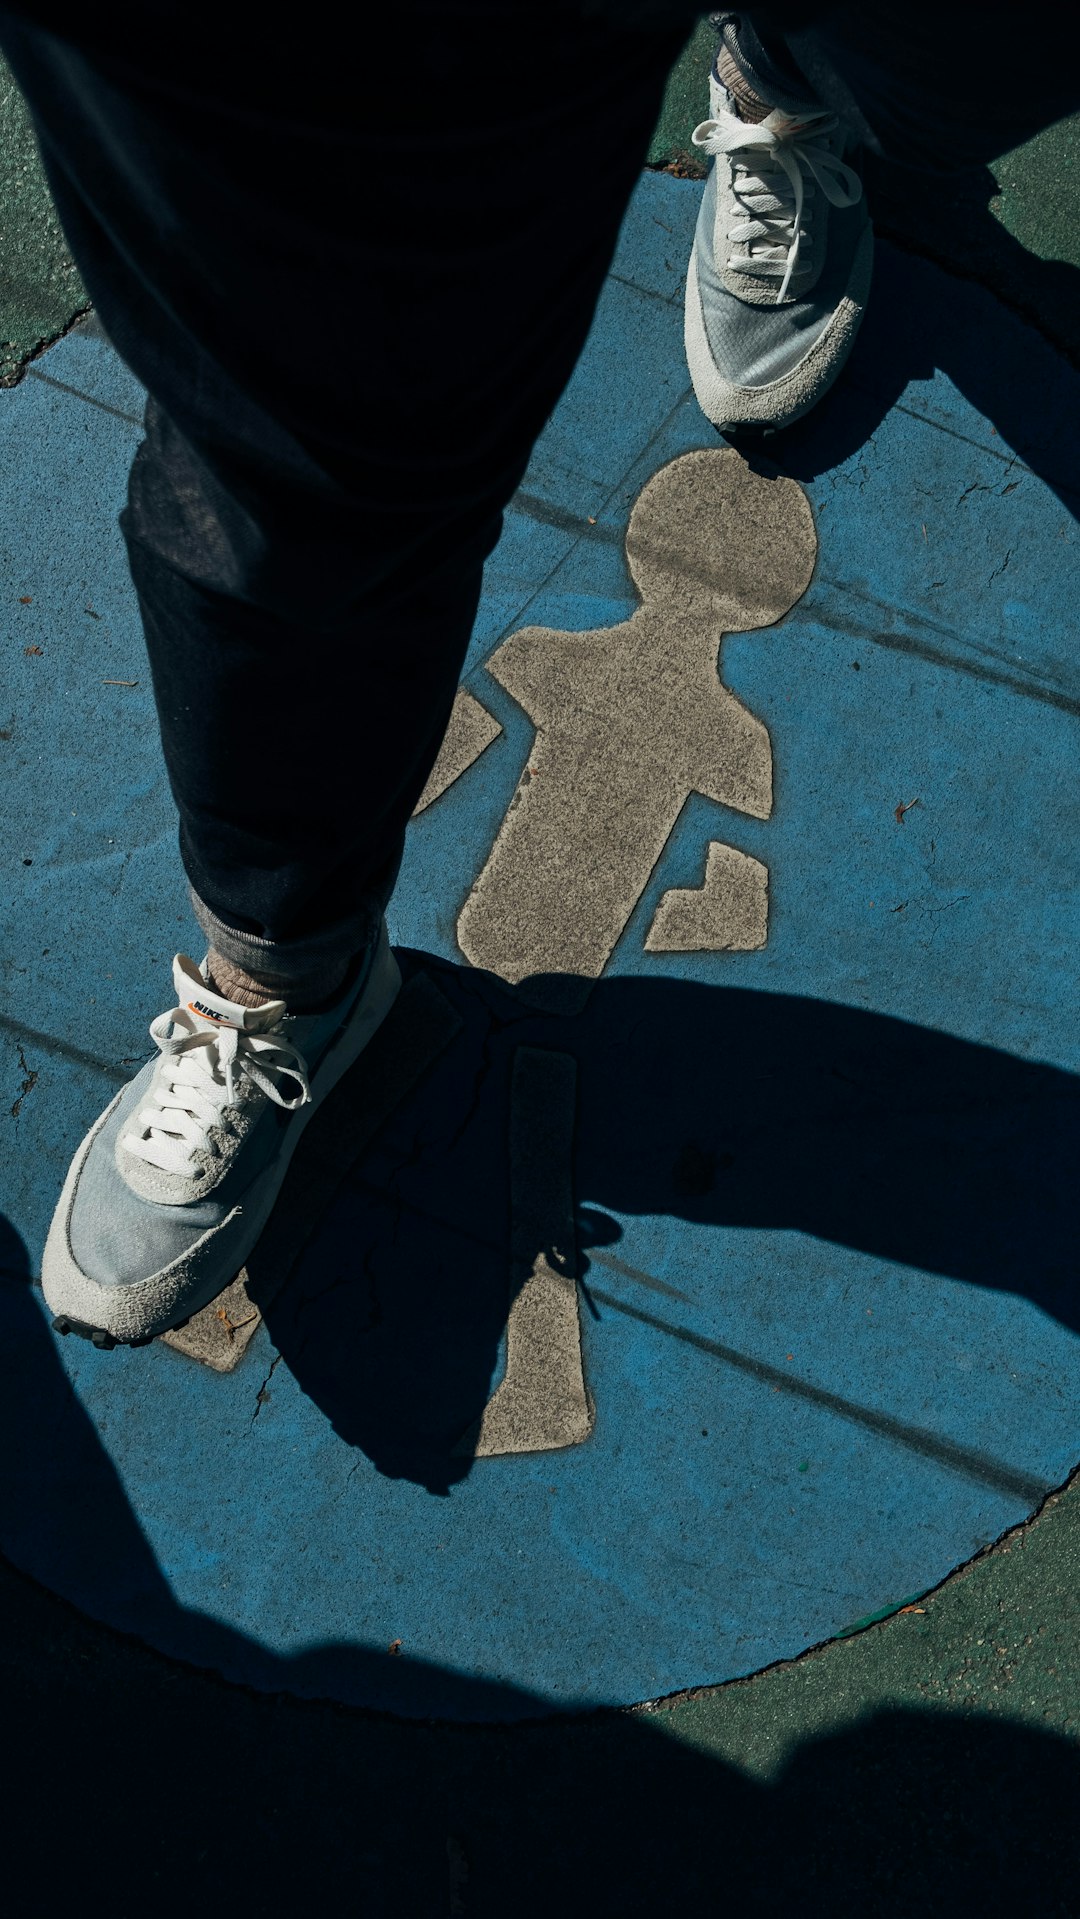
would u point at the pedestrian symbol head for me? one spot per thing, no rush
(711, 538)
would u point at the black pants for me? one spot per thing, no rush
(306, 535)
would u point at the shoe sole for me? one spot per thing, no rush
(132, 1315)
(786, 400)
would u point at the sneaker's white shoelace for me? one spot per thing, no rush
(204, 1074)
(769, 179)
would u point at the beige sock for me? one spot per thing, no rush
(750, 105)
(255, 989)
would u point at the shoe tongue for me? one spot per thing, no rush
(210, 1009)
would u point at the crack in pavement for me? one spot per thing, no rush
(263, 1393)
(30, 1080)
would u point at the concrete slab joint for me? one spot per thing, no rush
(632, 719)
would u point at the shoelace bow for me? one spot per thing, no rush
(200, 1079)
(775, 168)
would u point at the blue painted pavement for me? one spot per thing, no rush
(825, 1188)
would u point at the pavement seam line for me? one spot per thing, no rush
(956, 1458)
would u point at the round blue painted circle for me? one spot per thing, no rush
(827, 1302)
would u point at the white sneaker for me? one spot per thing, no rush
(780, 268)
(170, 1190)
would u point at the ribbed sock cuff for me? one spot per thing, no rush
(295, 968)
(769, 70)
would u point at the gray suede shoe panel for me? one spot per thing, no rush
(787, 399)
(163, 1188)
(118, 1238)
(754, 345)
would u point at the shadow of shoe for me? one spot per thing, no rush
(940, 301)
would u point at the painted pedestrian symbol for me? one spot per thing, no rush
(631, 720)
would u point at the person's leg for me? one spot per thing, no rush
(781, 267)
(938, 89)
(307, 529)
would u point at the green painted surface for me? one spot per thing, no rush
(1001, 1638)
(686, 101)
(1038, 201)
(40, 288)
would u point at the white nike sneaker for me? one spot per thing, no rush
(780, 268)
(171, 1188)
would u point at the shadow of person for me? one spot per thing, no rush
(224, 1796)
(64, 1514)
(220, 1792)
(954, 225)
(928, 314)
(58, 1486)
(715, 1106)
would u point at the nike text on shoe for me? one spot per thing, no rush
(170, 1190)
(780, 268)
